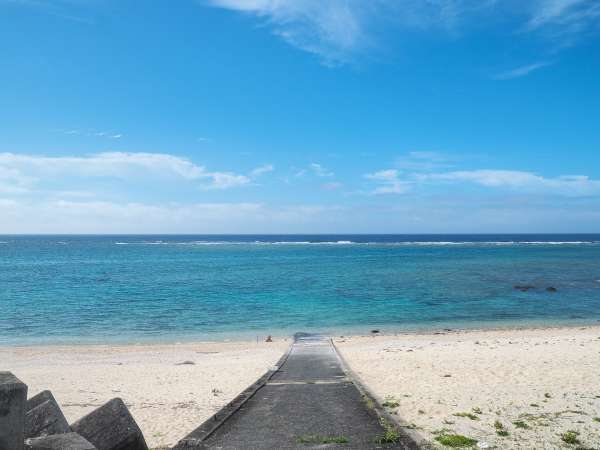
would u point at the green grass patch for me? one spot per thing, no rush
(596, 419)
(316, 439)
(456, 440)
(521, 424)
(466, 414)
(390, 435)
(570, 437)
(369, 403)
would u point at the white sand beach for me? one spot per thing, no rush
(548, 380)
(168, 399)
(545, 380)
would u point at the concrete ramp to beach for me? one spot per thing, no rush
(308, 401)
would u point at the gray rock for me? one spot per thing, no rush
(13, 396)
(45, 419)
(68, 441)
(111, 427)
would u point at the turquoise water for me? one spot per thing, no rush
(56, 289)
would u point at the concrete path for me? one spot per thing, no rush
(307, 403)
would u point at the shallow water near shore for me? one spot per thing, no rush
(68, 289)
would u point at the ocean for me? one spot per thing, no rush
(126, 289)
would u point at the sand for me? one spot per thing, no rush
(167, 399)
(548, 379)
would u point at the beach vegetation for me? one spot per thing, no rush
(477, 410)
(390, 435)
(500, 430)
(466, 414)
(521, 424)
(456, 440)
(368, 401)
(547, 395)
(390, 402)
(535, 405)
(570, 437)
(596, 419)
(316, 439)
(421, 411)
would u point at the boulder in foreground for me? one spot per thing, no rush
(111, 427)
(67, 441)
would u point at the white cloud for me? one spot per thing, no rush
(315, 169)
(331, 29)
(569, 15)
(114, 164)
(262, 170)
(389, 182)
(521, 71)
(337, 30)
(61, 216)
(572, 185)
(320, 171)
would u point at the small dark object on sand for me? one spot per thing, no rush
(186, 363)
(524, 288)
(374, 331)
(269, 339)
(551, 289)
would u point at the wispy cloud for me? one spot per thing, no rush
(93, 216)
(570, 185)
(331, 29)
(521, 71)
(338, 30)
(388, 182)
(315, 169)
(92, 133)
(568, 15)
(262, 170)
(24, 170)
(392, 181)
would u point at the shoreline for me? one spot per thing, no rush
(260, 335)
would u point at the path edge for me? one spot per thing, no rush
(195, 439)
(410, 439)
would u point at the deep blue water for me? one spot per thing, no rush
(135, 288)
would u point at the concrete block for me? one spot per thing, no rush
(111, 427)
(67, 441)
(45, 419)
(38, 399)
(13, 396)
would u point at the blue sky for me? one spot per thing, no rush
(299, 116)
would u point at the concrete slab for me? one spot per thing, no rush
(308, 403)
